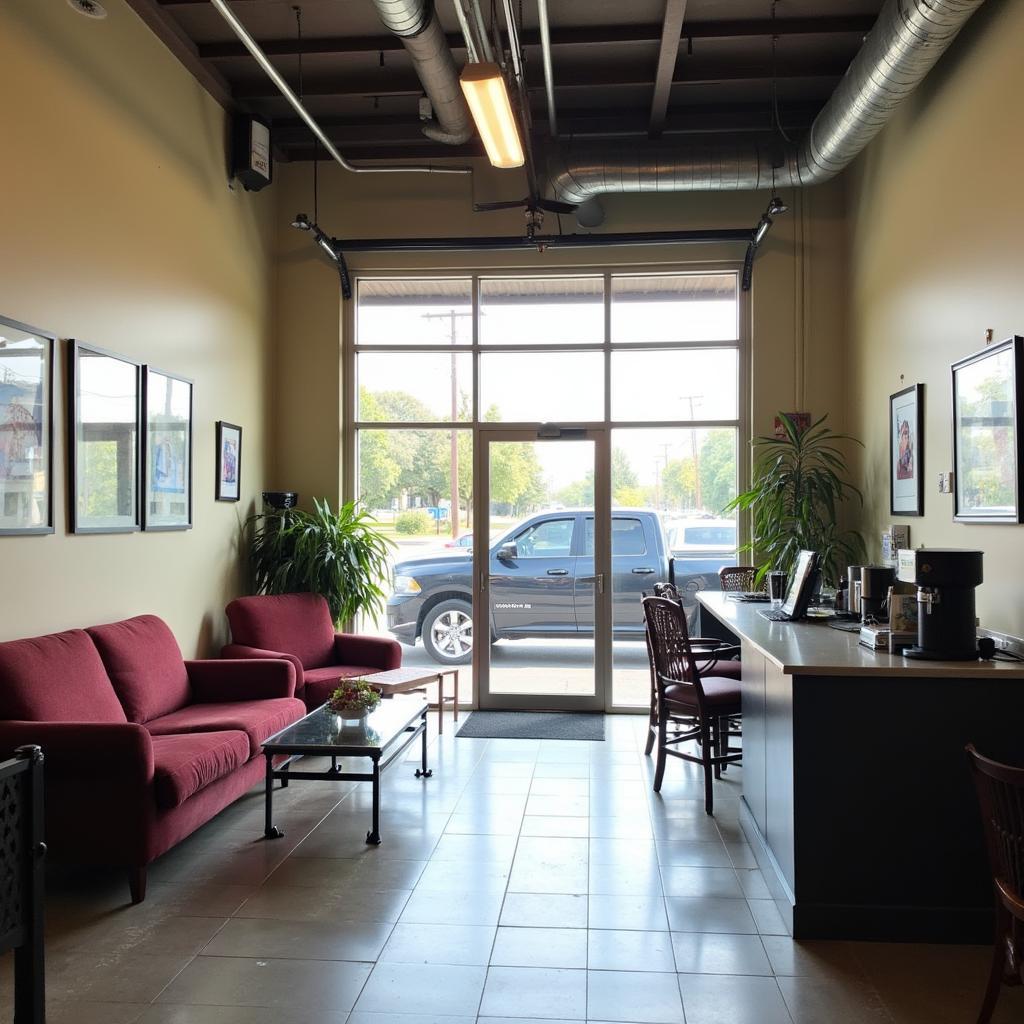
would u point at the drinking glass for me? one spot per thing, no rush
(776, 587)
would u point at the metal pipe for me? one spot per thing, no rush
(467, 33)
(549, 75)
(513, 40)
(272, 73)
(481, 28)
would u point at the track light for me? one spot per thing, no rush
(776, 206)
(301, 222)
(487, 96)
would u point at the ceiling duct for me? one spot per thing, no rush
(905, 43)
(415, 23)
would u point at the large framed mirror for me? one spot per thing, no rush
(104, 422)
(26, 429)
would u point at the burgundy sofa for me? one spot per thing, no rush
(141, 746)
(298, 628)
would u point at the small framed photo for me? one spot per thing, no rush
(26, 429)
(987, 450)
(229, 461)
(167, 451)
(105, 392)
(906, 452)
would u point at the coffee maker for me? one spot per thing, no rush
(945, 580)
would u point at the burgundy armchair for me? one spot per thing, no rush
(298, 628)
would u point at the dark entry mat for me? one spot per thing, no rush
(533, 725)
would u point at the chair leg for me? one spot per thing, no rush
(652, 727)
(723, 724)
(1004, 924)
(659, 770)
(137, 884)
(705, 757)
(716, 745)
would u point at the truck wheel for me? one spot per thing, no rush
(448, 632)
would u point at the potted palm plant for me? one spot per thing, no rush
(799, 484)
(341, 555)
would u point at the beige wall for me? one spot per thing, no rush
(118, 228)
(797, 301)
(937, 228)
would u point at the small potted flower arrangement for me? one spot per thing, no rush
(353, 700)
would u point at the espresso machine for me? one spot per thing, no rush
(945, 579)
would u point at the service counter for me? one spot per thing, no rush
(857, 799)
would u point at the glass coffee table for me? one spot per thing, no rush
(382, 737)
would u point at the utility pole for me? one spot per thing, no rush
(693, 443)
(452, 316)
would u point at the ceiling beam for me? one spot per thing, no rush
(668, 53)
(691, 72)
(599, 35)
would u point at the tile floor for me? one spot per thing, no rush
(526, 880)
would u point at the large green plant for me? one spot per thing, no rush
(341, 555)
(799, 486)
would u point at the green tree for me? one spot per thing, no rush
(718, 469)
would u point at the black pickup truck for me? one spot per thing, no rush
(541, 583)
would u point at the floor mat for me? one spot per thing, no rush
(533, 725)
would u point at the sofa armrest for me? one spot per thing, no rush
(240, 679)
(86, 749)
(376, 651)
(233, 651)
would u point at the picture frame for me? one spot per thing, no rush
(987, 450)
(229, 461)
(906, 452)
(167, 450)
(26, 429)
(104, 440)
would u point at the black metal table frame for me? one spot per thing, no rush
(335, 773)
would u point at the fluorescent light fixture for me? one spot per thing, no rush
(487, 96)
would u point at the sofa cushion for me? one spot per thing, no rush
(298, 624)
(320, 683)
(185, 764)
(56, 678)
(145, 666)
(258, 719)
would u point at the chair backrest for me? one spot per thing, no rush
(298, 624)
(669, 641)
(1001, 795)
(737, 577)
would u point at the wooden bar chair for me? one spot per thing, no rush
(691, 705)
(714, 657)
(1001, 796)
(738, 577)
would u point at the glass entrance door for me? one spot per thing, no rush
(542, 599)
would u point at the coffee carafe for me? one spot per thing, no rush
(945, 580)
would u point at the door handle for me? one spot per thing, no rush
(558, 572)
(643, 572)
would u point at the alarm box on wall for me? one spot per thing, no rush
(251, 162)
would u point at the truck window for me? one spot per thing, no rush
(627, 537)
(550, 539)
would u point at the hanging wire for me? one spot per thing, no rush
(316, 145)
(775, 84)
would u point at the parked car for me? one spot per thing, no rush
(541, 583)
(465, 540)
(701, 545)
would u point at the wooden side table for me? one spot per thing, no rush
(406, 680)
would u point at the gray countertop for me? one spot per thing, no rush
(813, 648)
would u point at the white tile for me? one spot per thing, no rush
(540, 910)
(466, 945)
(629, 951)
(423, 988)
(722, 999)
(633, 913)
(633, 996)
(535, 992)
(540, 947)
(717, 953)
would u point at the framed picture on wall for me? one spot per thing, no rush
(986, 434)
(105, 393)
(26, 429)
(167, 451)
(906, 452)
(229, 461)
